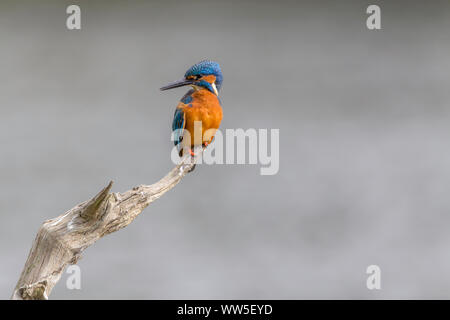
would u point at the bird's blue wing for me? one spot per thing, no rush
(178, 125)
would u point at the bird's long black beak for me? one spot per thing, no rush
(177, 84)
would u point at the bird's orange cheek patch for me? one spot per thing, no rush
(210, 78)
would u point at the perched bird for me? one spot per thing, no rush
(201, 103)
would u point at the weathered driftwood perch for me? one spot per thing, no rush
(60, 241)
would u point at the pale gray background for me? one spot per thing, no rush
(365, 157)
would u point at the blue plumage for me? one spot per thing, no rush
(206, 67)
(178, 125)
(187, 98)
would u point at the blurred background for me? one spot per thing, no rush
(364, 146)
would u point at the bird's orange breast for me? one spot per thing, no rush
(205, 108)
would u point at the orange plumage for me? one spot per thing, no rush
(205, 108)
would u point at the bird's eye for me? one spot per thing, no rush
(193, 77)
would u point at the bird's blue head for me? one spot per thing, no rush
(205, 74)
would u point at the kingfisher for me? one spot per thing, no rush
(201, 103)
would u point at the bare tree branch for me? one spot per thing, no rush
(60, 241)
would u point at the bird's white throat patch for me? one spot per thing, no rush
(196, 88)
(215, 88)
